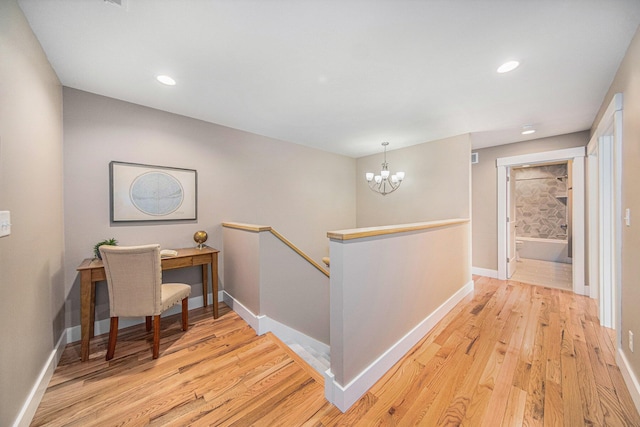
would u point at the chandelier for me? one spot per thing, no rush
(384, 183)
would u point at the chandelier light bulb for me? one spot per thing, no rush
(369, 176)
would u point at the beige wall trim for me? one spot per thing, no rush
(247, 227)
(261, 228)
(359, 233)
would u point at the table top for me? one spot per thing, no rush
(91, 263)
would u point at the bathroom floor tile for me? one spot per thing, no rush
(551, 274)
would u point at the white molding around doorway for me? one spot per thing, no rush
(605, 216)
(575, 154)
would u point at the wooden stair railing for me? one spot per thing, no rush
(259, 228)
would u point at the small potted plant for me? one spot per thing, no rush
(96, 248)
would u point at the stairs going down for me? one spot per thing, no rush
(318, 360)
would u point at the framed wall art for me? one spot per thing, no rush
(152, 193)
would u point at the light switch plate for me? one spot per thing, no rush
(627, 217)
(5, 223)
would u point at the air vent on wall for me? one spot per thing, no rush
(474, 158)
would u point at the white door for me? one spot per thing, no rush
(511, 222)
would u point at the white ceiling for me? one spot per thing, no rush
(343, 76)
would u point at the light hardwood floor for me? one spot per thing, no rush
(510, 354)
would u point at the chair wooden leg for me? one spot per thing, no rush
(113, 336)
(156, 336)
(185, 314)
(148, 323)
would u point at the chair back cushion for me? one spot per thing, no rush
(134, 279)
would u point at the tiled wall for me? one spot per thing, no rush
(541, 202)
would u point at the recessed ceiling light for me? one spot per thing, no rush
(166, 80)
(508, 66)
(528, 130)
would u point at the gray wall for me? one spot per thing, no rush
(436, 184)
(31, 274)
(242, 267)
(375, 307)
(242, 177)
(292, 291)
(627, 82)
(484, 190)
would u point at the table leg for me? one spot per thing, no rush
(87, 312)
(214, 283)
(205, 285)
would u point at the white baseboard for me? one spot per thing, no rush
(102, 326)
(345, 396)
(329, 385)
(484, 272)
(263, 324)
(247, 315)
(34, 398)
(629, 377)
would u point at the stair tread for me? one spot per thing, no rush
(319, 361)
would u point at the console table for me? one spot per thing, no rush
(92, 271)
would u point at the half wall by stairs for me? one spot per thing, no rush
(277, 288)
(389, 286)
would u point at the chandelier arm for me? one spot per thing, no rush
(374, 186)
(381, 188)
(393, 187)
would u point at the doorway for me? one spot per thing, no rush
(540, 201)
(506, 240)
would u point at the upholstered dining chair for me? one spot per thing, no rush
(134, 280)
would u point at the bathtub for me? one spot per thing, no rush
(543, 249)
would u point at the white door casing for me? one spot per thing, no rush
(511, 223)
(605, 221)
(575, 154)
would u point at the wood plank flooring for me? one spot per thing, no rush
(509, 355)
